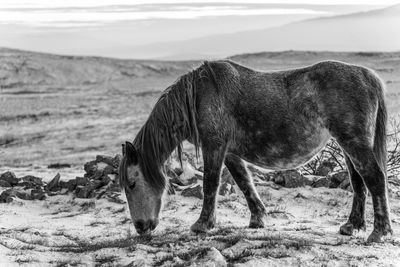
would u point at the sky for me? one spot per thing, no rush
(78, 13)
(110, 27)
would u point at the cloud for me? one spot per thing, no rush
(62, 17)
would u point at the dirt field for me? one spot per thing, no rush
(302, 230)
(68, 109)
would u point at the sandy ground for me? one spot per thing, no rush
(56, 109)
(302, 230)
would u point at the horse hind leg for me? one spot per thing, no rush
(366, 164)
(239, 173)
(356, 219)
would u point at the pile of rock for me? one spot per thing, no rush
(294, 178)
(28, 187)
(99, 180)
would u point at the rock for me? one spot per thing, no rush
(54, 184)
(193, 191)
(105, 159)
(84, 191)
(37, 194)
(110, 170)
(345, 185)
(278, 179)
(101, 182)
(336, 178)
(30, 179)
(90, 168)
(82, 181)
(201, 168)
(113, 162)
(212, 258)
(70, 184)
(10, 178)
(226, 189)
(59, 165)
(4, 184)
(171, 189)
(237, 249)
(226, 177)
(265, 176)
(171, 173)
(23, 195)
(178, 170)
(7, 196)
(311, 178)
(291, 179)
(322, 182)
(326, 167)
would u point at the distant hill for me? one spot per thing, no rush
(375, 30)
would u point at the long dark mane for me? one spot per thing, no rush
(172, 120)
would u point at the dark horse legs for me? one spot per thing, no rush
(213, 159)
(366, 165)
(357, 215)
(239, 173)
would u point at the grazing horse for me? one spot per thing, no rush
(276, 120)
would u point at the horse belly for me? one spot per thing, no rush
(281, 156)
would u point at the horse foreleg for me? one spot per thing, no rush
(239, 173)
(213, 159)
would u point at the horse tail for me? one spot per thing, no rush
(379, 148)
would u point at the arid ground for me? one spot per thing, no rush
(63, 109)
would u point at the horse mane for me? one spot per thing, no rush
(172, 120)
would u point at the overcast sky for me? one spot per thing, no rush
(107, 27)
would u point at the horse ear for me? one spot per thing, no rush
(131, 153)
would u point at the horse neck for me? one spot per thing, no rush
(160, 136)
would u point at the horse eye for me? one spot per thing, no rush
(132, 186)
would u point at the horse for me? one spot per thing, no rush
(277, 120)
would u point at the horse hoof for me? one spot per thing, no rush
(257, 222)
(201, 227)
(374, 237)
(346, 229)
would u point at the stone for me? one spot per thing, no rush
(291, 178)
(101, 182)
(32, 180)
(7, 196)
(336, 178)
(109, 170)
(105, 159)
(193, 191)
(54, 184)
(23, 195)
(10, 178)
(37, 194)
(178, 171)
(226, 177)
(82, 181)
(59, 165)
(70, 184)
(322, 182)
(326, 167)
(90, 168)
(4, 184)
(84, 191)
(171, 189)
(212, 258)
(345, 185)
(226, 189)
(256, 173)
